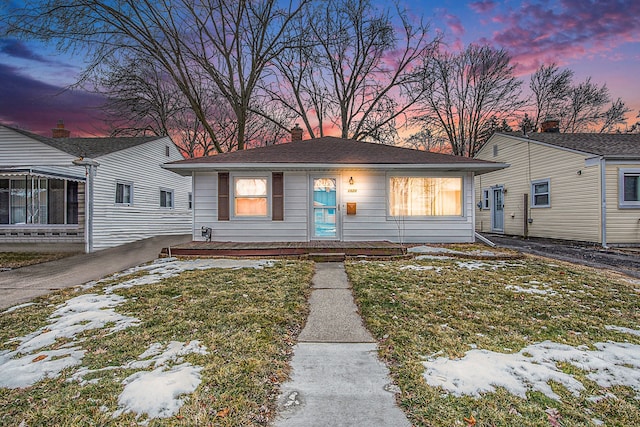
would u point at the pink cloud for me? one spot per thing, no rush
(454, 24)
(568, 29)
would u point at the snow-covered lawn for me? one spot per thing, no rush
(89, 342)
(523, 342)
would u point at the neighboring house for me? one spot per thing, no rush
(333, 189)
(583, 187)
(88, 193)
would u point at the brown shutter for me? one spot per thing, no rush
(277, 196)
(223, 196)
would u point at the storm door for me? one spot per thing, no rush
(324, 208)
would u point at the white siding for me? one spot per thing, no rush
(574, 213)
(141, 165)
(20, 150)
(369, 223)
(623, 225)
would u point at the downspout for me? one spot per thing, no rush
(90, 167)
(603, 197)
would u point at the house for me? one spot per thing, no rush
(583, 187)
(86, 194)
(333, 189)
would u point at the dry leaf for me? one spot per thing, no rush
(223, 413)
(39, 358)
(553, 417)
(471, 421)
(99, 351)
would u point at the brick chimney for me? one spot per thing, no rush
(550, 125)
(59, 131)
(296, 133)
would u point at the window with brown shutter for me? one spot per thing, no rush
(277, 199)
(223, 196)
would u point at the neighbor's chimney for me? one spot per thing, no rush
(550, 125)
(296, 133)
(59, 131)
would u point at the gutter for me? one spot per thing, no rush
(603, 198)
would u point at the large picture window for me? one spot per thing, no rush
(412, 196)
(35, 200)
(629, 184)
(250, 196)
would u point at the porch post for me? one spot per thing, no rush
(90, 167)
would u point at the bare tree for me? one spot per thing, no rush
(463, 92)
(580, 108)
(350, 68)
(219, 44)
(551, 88)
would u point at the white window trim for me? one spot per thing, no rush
(622, 204)
(232, 196)
(173, 200)
(130, 184)
(533, 193)
(485, 199)
(461, 217)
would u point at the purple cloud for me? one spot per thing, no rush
(37, 106)
(549, 32)
(454, 24)
(17, 49)
(483, 6)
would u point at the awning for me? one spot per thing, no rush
(69, 173)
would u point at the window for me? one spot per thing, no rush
(190, 201)
(124, 193)
(35, 200)
(629, 185)
(540, 194)
(166, 151)
(485, 199)
(166, 198)
(250, 196)
(495, 150)
(425, 196)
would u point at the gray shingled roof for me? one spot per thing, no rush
(331, 150)
(88, 147)
(612, 145)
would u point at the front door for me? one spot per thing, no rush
(497, 210)
(324, 208)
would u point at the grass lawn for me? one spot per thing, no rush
(434, 311)
(247, 319)
(11, 260)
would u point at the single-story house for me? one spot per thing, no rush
(582, 187)
(333, 189)
(87, 194)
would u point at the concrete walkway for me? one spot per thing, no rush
(23, 284)
(337, 379)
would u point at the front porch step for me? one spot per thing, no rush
(327, 256)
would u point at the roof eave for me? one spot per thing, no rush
(186, 169)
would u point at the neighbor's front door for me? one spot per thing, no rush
(324, 208)
(497, 210)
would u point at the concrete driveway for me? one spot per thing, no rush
(23, 284)
(622, 260)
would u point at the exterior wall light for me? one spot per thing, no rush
(351, 180)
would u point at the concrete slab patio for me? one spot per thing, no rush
(23, 284)
(337, 379)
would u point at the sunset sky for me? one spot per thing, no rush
(600, 39)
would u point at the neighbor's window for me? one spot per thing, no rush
(250, 196)
(425, 196)
(540, 194)
(35, 200)
(190, 200)
(485, 198)
(629, 184)
(166, 198)
(124, 193)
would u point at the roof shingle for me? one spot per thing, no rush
(600, 144)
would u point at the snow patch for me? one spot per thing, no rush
(16, 307)
(481, 265)
(623, 330)
(481, 371)
(421, 268)
(534, 289)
